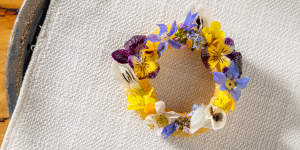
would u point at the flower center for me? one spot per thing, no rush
(161, 120)
(230, 84)
(218, 117)
(164, 37)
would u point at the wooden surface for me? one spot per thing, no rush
(6, 25)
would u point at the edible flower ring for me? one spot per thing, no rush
(136, 63)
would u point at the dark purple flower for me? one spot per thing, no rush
(132, 47)
(205, 56)
(236, 57)
(228, 41)
(121, 56)
(135, 44)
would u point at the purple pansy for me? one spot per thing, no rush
(132, 47)
(230, 81)
(229, 41)
(165, 38)
(236, 57)
(188, 22)
(170, 129)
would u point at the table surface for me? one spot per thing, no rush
(6, 25)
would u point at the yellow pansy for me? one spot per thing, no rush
(223, 101)
(150, 54)
(217, 55)
(213, 32)
(141, 101)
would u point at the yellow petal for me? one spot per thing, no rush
(220, 35)
(205, 30)
(224, 62)
(149, 108)
(212, 63)
(223, 101)
(143, 69)
(208, 38)
(134, 107)
(215, 26)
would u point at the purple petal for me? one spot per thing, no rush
(174, 44)
(242, 82)
(223, 87)
(219, 77)
(228, 41)
(135, 44)
(193, 17)
(152, 75)
(163, 29)
(153, 37)
(162, 47)
(187, 19)
(173, 29)
(121, 55)
(237, 58)
(233, 71)
(236, 94)
(168, 130)
(204, 57)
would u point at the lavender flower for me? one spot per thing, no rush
(165, 38)
(230, 81)
(188, 22)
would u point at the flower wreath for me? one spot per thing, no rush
(136, 64)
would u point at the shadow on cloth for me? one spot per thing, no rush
(256, 122)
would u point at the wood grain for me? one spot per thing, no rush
(6, 24)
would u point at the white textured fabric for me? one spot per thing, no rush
(69, 101)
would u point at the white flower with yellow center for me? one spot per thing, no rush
(162, 118)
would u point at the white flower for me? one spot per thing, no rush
(125, 76)
(217, 117)
(207, 117)
(162, 118)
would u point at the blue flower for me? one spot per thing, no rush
(170, 129)
(165, 38)
(188, 22)
(230, 81)
(195, 106)
(197, 40)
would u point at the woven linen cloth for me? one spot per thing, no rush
(69, 99)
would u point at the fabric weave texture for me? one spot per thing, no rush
(69, 100)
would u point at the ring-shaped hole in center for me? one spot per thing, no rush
(183, 80)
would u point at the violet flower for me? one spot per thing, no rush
(132, 47)
(229, 41)
(188, 22)
(165, 38)
(236, 57)
(170, 129)
(230, 81)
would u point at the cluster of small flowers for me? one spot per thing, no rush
(218, 54)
